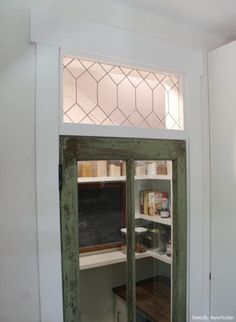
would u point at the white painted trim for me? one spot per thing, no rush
(116, 131)
(193, 115)
(206, 193)
(47, 160)
(70, 32)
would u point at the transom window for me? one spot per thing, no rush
(103, 94)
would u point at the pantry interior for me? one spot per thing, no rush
(153, 223)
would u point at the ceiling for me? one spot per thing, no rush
(214, 16)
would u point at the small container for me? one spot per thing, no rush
(151, 168)
(140, 232)
(165, 201)
(140, 168)
(101, 168)
(114, 169)
(158, 202)
(165, 213)
(123, 168)
(161, 167)
(152, 238)
(168, 248)
(85, 168)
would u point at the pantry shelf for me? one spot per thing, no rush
(101, 179)
(153, 177)
(122, 178)
(157, 219)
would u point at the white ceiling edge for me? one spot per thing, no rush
(116, 14)
(132, 48)
(212, 16)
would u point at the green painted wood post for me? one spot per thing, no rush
(179, 223)
(69, 234)
(130, 224)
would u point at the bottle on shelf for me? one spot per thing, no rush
(168, 248)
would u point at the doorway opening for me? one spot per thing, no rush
(123, 229)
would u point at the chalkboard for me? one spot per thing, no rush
(101, 215)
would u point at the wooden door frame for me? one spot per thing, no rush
(73, 149)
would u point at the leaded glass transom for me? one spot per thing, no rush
(103, 94)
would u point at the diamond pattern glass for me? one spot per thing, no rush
(104, 94)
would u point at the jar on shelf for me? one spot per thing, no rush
(151, 168)
(114, 168)
(152, 238)
(168, 248)
(101, 168)
(140, 233)
(140, 168)
(165, 213)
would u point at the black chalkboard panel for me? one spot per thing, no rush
(101, 215)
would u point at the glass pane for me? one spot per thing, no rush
(102, 215)
(101, 94)
(153, 231)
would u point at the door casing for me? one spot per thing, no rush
(73, 149)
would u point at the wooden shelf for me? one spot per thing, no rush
(122, 178)
(114, 257)
(157, 219)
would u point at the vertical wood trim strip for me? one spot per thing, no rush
(130, 223)
(70, 236)
(179, 278)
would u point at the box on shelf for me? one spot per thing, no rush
(140, 168)
(85, 168)
(151, 202)
(161, 167)
(123, 168)
(101, 168)
(114, 169)
(158, 202)
(141, 203)
(151, 168)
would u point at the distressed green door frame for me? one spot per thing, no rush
(73, 149)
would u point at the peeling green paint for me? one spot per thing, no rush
(98, 148)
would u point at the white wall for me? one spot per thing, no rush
(19, 298)
(19, 290)
(222, 71)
